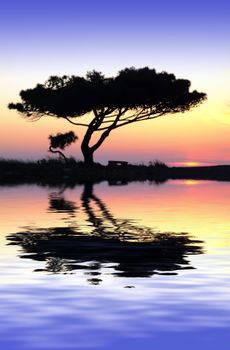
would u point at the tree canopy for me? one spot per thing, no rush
(132, 95)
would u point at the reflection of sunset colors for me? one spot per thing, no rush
(197, 207)
(200, 208)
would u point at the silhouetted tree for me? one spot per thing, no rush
(131, 96)
(61, 141)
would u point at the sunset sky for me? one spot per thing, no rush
(187, 38)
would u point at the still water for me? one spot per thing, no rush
(138, 266)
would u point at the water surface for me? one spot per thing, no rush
(101, 267)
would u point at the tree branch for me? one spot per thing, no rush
(59, 152)
(107, 131)
(110, 110)
(147, 117)
(78, 124)
(134, 120)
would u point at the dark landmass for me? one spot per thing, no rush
(54, 172)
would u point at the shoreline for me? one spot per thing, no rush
(57, 172)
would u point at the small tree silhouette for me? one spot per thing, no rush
(61, 141)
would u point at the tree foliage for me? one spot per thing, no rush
(61, 141)
(132, 95)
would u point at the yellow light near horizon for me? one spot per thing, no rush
(190, 182)
(192, 163)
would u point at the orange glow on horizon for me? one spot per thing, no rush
(190, 182)
(189, 163)
(192, 163)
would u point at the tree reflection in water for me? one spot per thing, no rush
(124, 248)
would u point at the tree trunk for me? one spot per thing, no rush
(88, 151)
(60, 153)
(88, 155)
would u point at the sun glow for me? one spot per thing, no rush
(192, 164)
(190, 182)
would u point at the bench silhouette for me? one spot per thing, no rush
(117, 163)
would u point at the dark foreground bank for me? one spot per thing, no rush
(52, 172)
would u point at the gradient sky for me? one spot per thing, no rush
(187, 38)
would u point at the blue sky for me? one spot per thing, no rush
(113, 34)
(188, 38)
